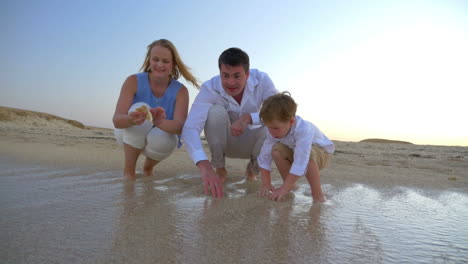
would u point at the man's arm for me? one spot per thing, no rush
(211, 181)
(195, 123)
(239, 126)
(191, 136)
(267, 88)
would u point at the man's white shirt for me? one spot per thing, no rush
(258, 88)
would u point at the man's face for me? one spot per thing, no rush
(234, 79)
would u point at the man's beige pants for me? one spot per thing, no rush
(222, 144)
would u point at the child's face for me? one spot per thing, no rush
(279, 129)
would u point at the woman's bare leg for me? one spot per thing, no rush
(149, 165)
(131, 157)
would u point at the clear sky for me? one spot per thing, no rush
(358, 69)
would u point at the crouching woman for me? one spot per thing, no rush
(152, 108)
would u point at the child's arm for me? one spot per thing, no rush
(287, 186)
(266, 183)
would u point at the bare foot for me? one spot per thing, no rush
(148, 166)
(222, 174)
(318, 198)
(130, 174)
(147, 171)
(250, 175)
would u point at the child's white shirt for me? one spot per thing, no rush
(302, 135)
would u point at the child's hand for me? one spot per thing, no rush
(266, 190)
(159, 115)
(278, 194)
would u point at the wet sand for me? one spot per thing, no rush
(64, 200)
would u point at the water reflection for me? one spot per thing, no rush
(145, 230)
(98, 217)
(400, 225)
(180, 224)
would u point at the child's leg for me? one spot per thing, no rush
(283, 157)
(282, 164)
(313, 177)
(318, 160)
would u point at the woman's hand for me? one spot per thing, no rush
(159, 115)
(136, 118)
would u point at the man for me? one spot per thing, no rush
(227, 109)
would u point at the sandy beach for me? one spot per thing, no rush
(64, 200)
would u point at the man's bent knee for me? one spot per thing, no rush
(217, 119)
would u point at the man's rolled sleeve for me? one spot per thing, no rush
(255, 118)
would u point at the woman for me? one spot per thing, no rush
(157, 88)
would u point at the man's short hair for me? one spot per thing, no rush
(234, 57)
(279, 107)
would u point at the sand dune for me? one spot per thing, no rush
(32, 118)
(380, 140)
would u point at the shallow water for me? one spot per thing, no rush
(75, 215)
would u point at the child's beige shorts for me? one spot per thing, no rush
(317, 154)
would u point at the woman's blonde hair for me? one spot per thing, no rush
(280, 107)
(179, 67)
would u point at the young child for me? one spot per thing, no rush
(297, 146)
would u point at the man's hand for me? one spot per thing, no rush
(239, 126)
(211, 181)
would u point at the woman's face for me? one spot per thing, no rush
(161, 62)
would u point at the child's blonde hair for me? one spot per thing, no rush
(280, 107)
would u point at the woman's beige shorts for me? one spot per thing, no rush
(317, 154)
